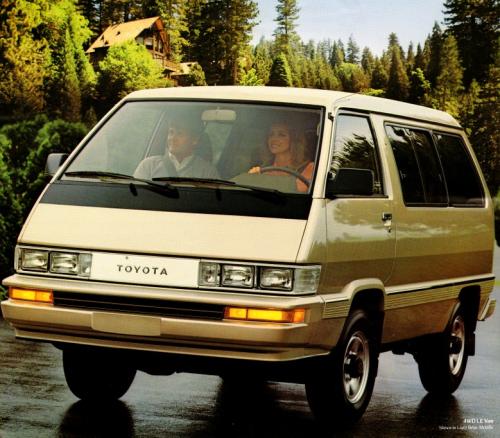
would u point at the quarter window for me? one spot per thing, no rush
(464, 187)
(420, 172)
(354, 147)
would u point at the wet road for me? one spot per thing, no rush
(35, 402)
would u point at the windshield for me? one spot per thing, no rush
(179, 142)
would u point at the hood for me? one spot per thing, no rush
(165, 233)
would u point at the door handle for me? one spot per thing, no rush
(387, 219)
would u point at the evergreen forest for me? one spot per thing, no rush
(51, 95)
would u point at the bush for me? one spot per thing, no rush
(24, 148)
(55, 136)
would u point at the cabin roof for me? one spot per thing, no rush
(120, 33)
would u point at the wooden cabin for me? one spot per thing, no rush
(149, 32)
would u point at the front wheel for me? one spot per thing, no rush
(97, 374)
(341, 390)
(441, 363)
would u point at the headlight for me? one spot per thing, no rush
(285, 280)
(54, 262)
(276, 278)
(209, 274)
(237, 276)
(34, 260)
(70, 263)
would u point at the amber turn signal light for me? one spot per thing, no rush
(40, 296)
(266, 315)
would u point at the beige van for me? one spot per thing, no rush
(284, 233)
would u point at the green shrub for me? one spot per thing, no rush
(24, 148)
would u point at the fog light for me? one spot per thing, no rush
(42, 296)
(296, 316)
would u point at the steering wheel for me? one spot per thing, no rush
(287, 170)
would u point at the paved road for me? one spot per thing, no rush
(35, 402)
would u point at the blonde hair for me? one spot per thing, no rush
(297, 143)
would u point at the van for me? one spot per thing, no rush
(278, 233)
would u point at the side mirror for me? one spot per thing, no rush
(54, 162)
(350, 182)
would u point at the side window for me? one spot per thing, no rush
(419, 169)
(406, 160)
(464, 187)
(430, 169)
(354, 147)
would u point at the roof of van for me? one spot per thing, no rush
(301, 96)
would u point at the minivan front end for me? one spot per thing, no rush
(138, 245)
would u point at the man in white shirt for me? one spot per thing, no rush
(179, 158)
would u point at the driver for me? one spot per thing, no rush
(288, 149)
(179, 158)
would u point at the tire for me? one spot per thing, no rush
(442, 362)
(97, 374)
(342, 388)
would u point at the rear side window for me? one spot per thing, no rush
(420, 172)
(464, 186)
(354, 147)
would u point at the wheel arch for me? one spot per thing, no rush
(371, 300)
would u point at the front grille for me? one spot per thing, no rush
(144, 306)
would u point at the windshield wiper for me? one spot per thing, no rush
(222, 182)
(112, 175)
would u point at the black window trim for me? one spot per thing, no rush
(432, 133)
(436, 132)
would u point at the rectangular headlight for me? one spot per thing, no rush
(276, 278)
(209, 274)
(237, 276)
(34, 260)
(70, 263)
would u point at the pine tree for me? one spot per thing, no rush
(72, 78)
(262, 60)
(379, 77)
(449, 81)
(410, 59)
(219, 34)
(24, 57)
(352, 51)
(435, 42)
(337, 56)
(398, 84)
(280, 76)
(420, 60)
(367, 61)
(474, 24)
(420, 88)
(484, 132)
(288, 14)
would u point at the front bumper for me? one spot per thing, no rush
(186, 336)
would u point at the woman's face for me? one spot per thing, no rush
(278, 139)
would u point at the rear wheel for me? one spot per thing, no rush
(341, 391)
(97, 374)
(441, 363)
